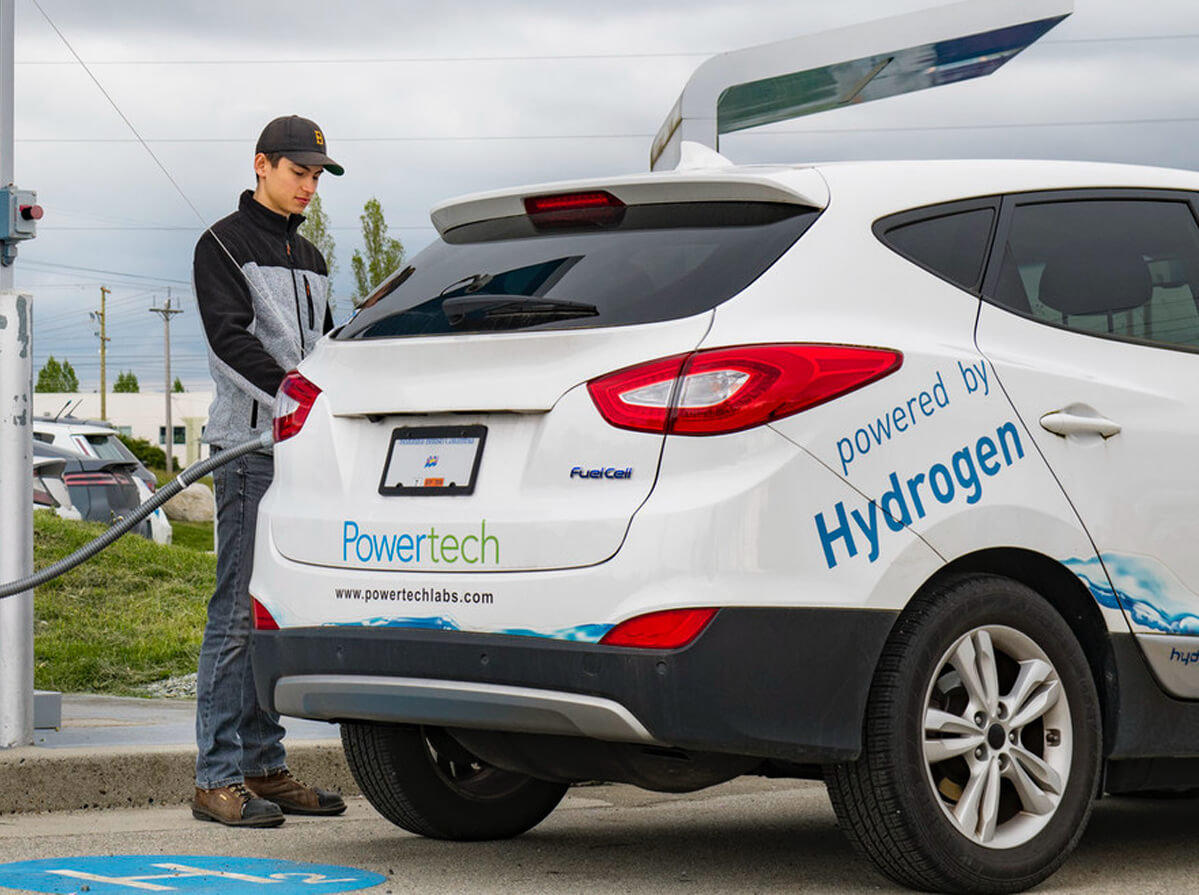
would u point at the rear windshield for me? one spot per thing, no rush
(640, 264)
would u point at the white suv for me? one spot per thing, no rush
(875, 471)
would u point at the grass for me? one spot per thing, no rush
(131, 615)
(192, 535)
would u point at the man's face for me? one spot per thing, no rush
(286, 188)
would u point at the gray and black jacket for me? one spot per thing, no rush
(263, 294)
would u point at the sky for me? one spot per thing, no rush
(421, 102)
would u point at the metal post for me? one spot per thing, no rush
(16, 453)
(103, 351)
(169, 436)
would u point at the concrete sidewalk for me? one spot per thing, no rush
(115, 752)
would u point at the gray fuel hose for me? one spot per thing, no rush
(162, 495)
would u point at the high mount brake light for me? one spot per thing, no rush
(593, 208)
(292, 405)
(667, 629)
(725, 390)
(571, 202)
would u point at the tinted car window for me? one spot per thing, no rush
(951, 244)
(639, 264)
(107, 447)
(1121, 268)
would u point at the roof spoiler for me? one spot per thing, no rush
(885, 57)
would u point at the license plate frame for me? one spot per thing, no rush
(405, 474)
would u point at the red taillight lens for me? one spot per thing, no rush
(292, 404)
(668, 629)
(571, 202)
(729, 389)
(595, 208)
(263, 620)
(92, 478)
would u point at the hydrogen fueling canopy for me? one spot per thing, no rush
(816, 72)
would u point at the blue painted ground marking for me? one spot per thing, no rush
(182, 873)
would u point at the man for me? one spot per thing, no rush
(262, 291)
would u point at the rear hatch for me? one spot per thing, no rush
(102, 490)
(454, 419)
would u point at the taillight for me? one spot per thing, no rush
(263, 620)
(729, 389)
(292, 405)
(85, 479)
(668, 629)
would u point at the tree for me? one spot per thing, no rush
(316, 230)
(126, 383)
(178, 386)
(56, 377)
(151, 456)
(384, 255)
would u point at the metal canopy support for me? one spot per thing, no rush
(16, 453)
(815, 72)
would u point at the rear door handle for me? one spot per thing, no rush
(1075, 420)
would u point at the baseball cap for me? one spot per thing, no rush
(300, 140)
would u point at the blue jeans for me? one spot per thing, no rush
(235, 736)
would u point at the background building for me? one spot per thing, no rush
(140, 415)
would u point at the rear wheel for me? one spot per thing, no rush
(421, 779)
(981, 748)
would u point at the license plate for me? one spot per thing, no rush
(424, 460)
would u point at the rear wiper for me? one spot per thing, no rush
(497, 307)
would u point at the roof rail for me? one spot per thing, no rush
(856, 64)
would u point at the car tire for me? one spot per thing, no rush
(422, 780)
(981, 743)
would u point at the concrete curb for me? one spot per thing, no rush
(36, 779)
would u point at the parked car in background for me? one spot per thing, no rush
(99, 440)
(100, 490)
(50, 492)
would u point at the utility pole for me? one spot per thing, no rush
(169, 438)
(101, 317)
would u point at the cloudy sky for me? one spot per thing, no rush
(423, 101)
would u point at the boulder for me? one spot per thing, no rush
(193, 504)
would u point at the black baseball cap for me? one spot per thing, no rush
(300, 140)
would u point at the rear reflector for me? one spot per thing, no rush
(725, 390)
(263, 620)
(668, 629)
(292, 405)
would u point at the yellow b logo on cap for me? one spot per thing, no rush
(320, 138)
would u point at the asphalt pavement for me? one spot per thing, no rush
(116, 752)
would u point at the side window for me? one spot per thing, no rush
(949, 243)
(1119, 267)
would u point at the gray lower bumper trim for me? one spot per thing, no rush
(332, 697)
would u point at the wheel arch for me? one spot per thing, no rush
(1061, 588)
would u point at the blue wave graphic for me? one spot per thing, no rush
(579, 633)
(1144, 587)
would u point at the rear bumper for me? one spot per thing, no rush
(777, 683)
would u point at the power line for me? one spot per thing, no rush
(541, 57)
(122, 115)
(454, 138)
(407, 138)
(41, 265)
(372, 60)
(989, 126)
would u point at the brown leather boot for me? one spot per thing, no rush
(235, 806)
(293, 796)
